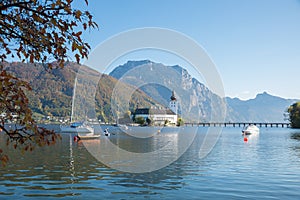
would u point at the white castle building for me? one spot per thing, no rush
(159, 116)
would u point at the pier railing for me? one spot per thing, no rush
(238, 124)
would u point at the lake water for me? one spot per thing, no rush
(266, 167)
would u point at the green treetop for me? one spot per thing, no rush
(294, 115)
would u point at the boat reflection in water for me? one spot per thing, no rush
(126, 152)
(67, 170)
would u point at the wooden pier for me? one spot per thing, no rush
(239, 124)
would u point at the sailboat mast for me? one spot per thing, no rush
(73, 99)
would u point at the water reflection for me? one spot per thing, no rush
(295, 136)
(47, 171)
(137, 155)
(67, 170)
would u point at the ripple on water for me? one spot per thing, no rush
(268, 168)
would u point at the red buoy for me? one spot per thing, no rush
(245, 139)
(76, 138)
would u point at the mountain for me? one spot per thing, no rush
(139, 84)
(263, 108)
(197, 102)
(52, 90)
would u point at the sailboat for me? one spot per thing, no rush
(76, 127)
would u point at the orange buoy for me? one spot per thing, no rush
(245, 139)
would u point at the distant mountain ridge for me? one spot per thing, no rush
(263, 108)
(52, 92)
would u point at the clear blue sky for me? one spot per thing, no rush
(255, 44)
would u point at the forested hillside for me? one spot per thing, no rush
(52, 90)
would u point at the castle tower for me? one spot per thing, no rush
(173, 103)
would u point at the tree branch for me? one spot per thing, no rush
(18, 4)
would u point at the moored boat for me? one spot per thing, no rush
(76, 127)
(250, 130)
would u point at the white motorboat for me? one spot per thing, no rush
(250, 130)
(77, 127)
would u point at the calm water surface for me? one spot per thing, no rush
(266, 167)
